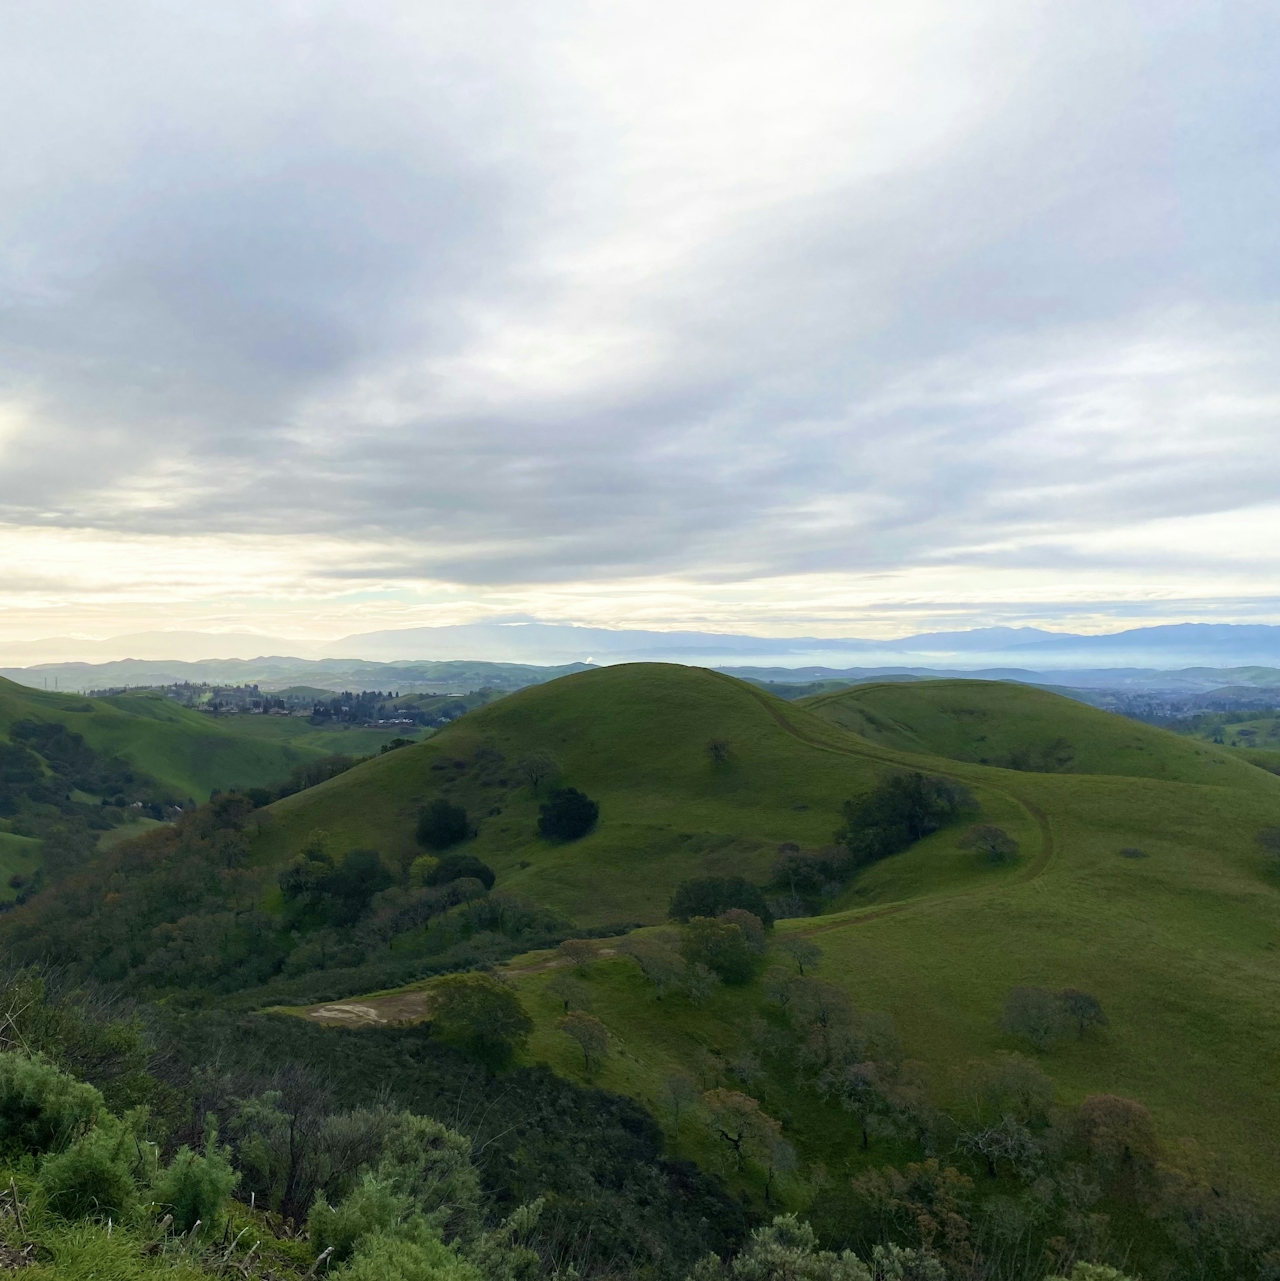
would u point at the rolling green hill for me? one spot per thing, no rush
(634, 738)
(188, 753)
(1019, 727)
(1182, 946)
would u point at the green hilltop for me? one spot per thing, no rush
(1180, 946)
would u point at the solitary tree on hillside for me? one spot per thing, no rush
(580, 951)
(1084, 1010)
(660, 964)
(681, 1093)
(993, 842)
(537, 768)
(569, 989)
(591, 1035)
(567, 815)
(1036, 1015)
(802, 952)
(718, 749)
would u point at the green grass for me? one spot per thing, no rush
(634, 739)
(298, 733)
(187, 751)
(1182, 947)
(19, 856)
(986, 722)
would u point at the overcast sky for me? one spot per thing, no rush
(825, 317)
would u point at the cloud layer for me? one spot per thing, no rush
(331, 315)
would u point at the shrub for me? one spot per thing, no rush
(42, 1109)
(197, 1187)
(1093, 1272)
(92, 1178)
(383, 1257)
(721, 946)
(371, 1208)
(897, 812)
(567, 815)
(454, 867)
(712, 895)
(442, 824)
(431, 1164)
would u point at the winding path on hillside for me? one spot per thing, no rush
(1033, 869)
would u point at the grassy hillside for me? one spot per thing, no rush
(310, 740)
(1019, 727)
(188, 753)
(19, 857)
(634, 738)
(1181, 946)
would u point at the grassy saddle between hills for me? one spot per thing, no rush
(1181, 946)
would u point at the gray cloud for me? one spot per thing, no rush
(521, 299)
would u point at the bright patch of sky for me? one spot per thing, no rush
(821, 318)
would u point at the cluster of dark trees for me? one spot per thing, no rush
(181, 909)
(566, 815)
(898, 811)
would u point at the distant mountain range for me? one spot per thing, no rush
(1167, 647)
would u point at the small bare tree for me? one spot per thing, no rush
(802, 952)
(1036, 1015)
(993, 842)
(580, 951)
(681, 1093)
(1083, 1009)
(591, 1035)
(567, 988)
(538, 768)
